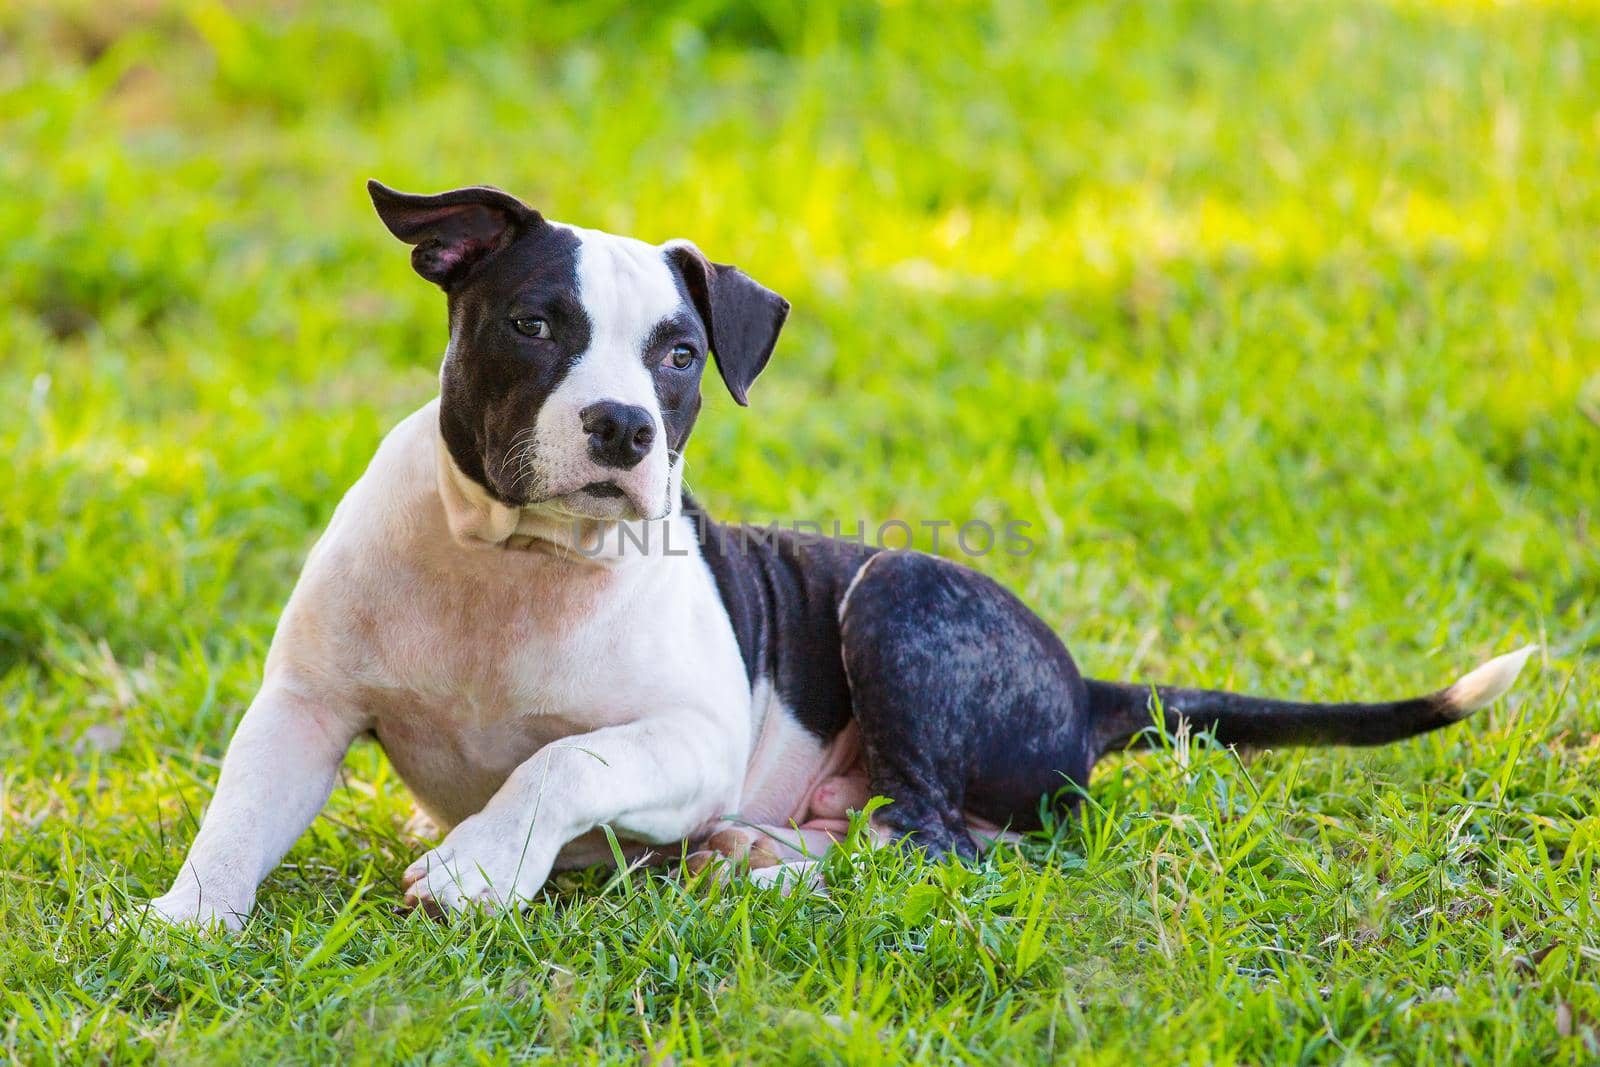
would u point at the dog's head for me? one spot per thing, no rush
(572, 378)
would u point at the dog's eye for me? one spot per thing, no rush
(681, 357)
(532, 327)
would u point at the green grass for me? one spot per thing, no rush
(1280, 322)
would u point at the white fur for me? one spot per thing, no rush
(626, 289)
(855, 580)
(1481, 687)
(783, 763)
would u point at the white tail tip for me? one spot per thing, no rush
(1482, 687)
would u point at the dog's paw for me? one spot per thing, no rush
(474, 867)
(803, 876)
(187, 906)
(733, 848)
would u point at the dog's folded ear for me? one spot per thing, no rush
(741, 315)
(451, 231)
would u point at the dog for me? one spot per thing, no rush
(696, 692)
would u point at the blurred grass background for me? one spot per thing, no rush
(1280, 322)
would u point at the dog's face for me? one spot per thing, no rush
(572, 379)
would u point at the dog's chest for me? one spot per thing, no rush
(470, 671)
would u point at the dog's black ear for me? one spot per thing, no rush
(742, 316)
(451, 231)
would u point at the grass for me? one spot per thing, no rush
(1280, 322)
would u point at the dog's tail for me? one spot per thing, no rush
(1121, 713)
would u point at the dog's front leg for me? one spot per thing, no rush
(655, 780)
(277, 774)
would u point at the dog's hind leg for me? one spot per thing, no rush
(967, 703)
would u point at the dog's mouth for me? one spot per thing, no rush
(604, 500)
(603, 490)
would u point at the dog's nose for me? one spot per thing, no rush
(620, 435)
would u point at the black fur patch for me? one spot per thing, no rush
(782, 593)
(495, 379)
(677, 391)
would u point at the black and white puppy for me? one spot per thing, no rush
(681, 684)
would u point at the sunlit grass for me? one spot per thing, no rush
(1279, 322)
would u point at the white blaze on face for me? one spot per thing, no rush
(626, 290)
